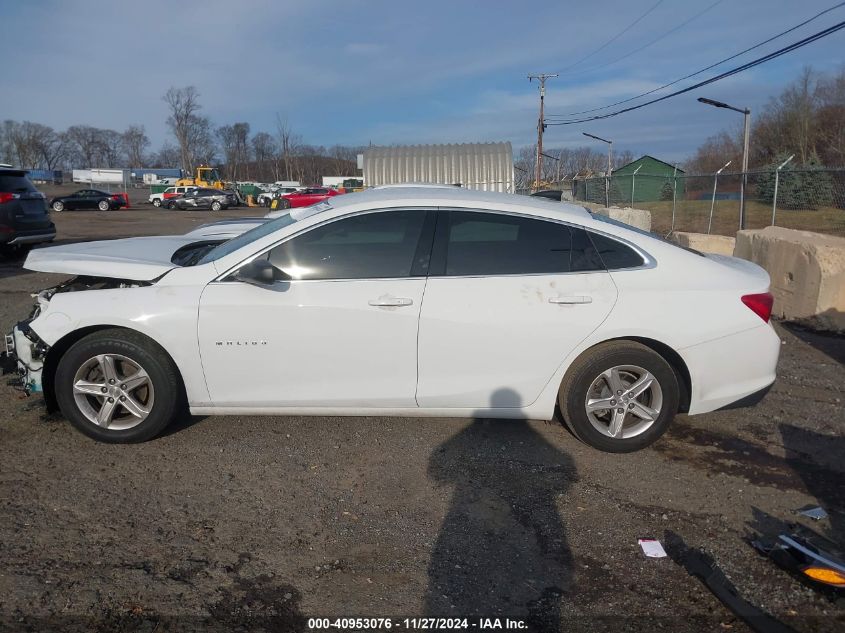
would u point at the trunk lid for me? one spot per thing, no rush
(757, 277)
(135, 258)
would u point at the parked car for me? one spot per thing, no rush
(265, 198)
(157, 199)
(24, 218)
(306, 197)
(198, 198)
(88, 199)
(407, 301)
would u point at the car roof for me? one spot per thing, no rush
(449, 196)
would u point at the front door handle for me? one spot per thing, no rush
(388, 302)
(571, 299)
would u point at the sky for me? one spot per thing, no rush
(356, 72)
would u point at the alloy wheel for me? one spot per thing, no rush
(113, 391)
(624, 401)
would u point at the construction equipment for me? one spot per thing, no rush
(205, 177)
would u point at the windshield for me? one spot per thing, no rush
(245, 238)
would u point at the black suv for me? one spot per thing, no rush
(24, 219)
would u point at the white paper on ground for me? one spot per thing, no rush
(652, 548)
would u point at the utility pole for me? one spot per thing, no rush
(541, 125)
(746, 131)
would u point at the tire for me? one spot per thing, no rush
(156, 202)
(168, 205)
(104, 205)
(216, 206)
(58, 206)
(156, 396)
(285, 204)
(624, 363)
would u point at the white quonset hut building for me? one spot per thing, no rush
(482, 166)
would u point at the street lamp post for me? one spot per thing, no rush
(609, 167)
(746, 131)
(777, 178)
(713, 199)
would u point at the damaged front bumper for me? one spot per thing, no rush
(25, 354)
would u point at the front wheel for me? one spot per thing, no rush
(118, 386)
(58, 205)
(156, 202)
(285, 204)
(619, 396)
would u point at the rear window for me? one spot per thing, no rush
(15, 182)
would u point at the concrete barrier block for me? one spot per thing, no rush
(639, 218)
(807, 271)
(704, 243)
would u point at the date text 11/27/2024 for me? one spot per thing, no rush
(426, 624)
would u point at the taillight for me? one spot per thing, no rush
(760, 304)
(6, 229)
(6, 197)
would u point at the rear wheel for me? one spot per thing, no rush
(216, 206)
(619, 397)
(103, 205)
(117, 386)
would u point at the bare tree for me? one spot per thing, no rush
(167, 156)
(135, 143)
(111, 147)
(289, 143)
(86, 144)
(264, 150)
(184, 121)
(201, 141)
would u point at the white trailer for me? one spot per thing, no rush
(102, 176)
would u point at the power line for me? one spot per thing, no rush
(733, 71)
(698, 72)
(645, 46)
(615, 37)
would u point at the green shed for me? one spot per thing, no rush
(653, 181)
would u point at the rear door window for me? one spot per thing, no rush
(477, 243)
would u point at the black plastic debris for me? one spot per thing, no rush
(703, 567)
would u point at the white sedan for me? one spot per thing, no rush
(404, 302)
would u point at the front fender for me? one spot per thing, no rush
(165, 314)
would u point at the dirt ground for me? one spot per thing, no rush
(258, 523)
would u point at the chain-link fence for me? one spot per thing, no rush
(806, 199)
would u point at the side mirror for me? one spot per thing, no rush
(261, 272)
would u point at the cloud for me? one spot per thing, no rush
(388, 72)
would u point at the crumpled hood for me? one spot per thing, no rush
(135, 258)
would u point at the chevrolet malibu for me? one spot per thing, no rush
(400, 302)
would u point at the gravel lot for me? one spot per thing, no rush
(244, 523)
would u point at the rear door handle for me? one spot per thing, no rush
(386, 302)
(572, 299)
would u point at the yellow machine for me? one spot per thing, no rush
(206, 177)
